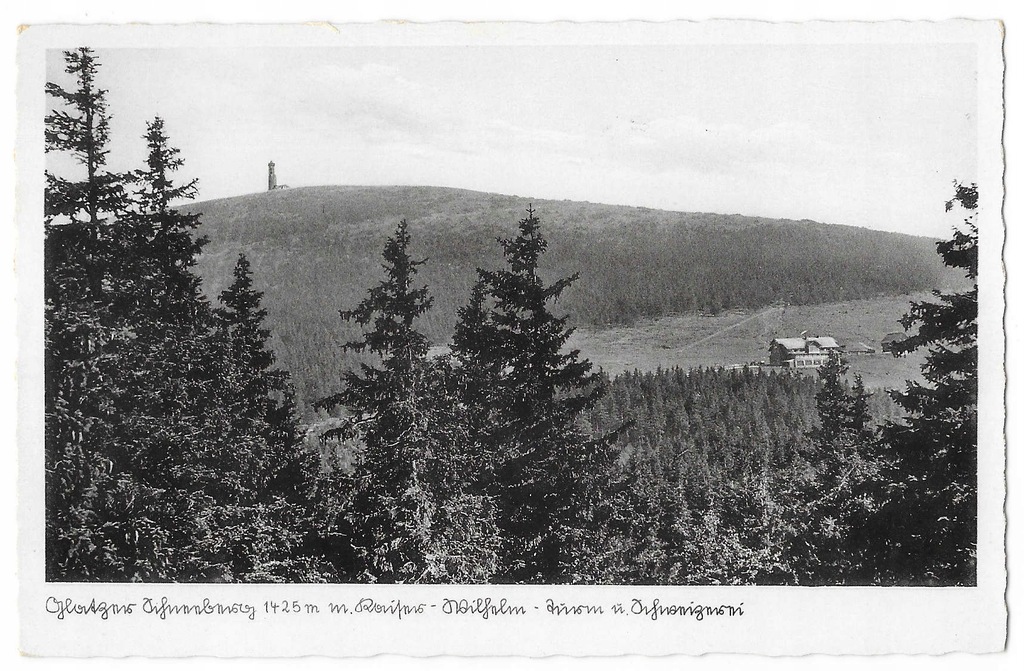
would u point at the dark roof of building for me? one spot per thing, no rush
(822, 342)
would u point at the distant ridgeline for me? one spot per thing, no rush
(317, 250)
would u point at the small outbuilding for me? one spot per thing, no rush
(891, 339)
(802, 352)
(859, 348)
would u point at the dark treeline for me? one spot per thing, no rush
(317, 248)
(173, 452)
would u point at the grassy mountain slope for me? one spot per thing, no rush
(316, 250)
(740, 337)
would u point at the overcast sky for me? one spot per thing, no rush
(869, 135)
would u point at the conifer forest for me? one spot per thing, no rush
(176, 450)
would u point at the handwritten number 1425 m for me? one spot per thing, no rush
(275, 607)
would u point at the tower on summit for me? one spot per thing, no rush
(271, 177)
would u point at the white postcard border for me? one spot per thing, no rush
(773, 620)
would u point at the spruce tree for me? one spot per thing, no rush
(263, 477)
(930, 522)
(259, 396)
(168, 373)
(80, 126)
(391, 511)
(145, 426)
(88, 494)
(158, 373)
(410, 516)
(837, 486)
(158, 242)
(478, 368)
(547, 475)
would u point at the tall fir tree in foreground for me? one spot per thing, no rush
(262, 477)
(89, 529)
(80, 125)
(930, 522)
(257, 396)
(152, 414)
(547, 475)
(167, 372)
(157, 243)
(837, 490)
(408, 505)
(124, 277)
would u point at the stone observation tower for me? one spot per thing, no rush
(271, 177)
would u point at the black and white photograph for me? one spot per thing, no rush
(665, 312)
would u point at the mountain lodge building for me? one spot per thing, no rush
(802, 352)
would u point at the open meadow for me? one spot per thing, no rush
(739, 337)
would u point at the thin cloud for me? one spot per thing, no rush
(872, 142)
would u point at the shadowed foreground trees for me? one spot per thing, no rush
(485, 444)
(410, 503)
(169, 446)
(928, 530)
(548, 476)
(82, 493)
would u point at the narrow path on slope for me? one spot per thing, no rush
(730, 327)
